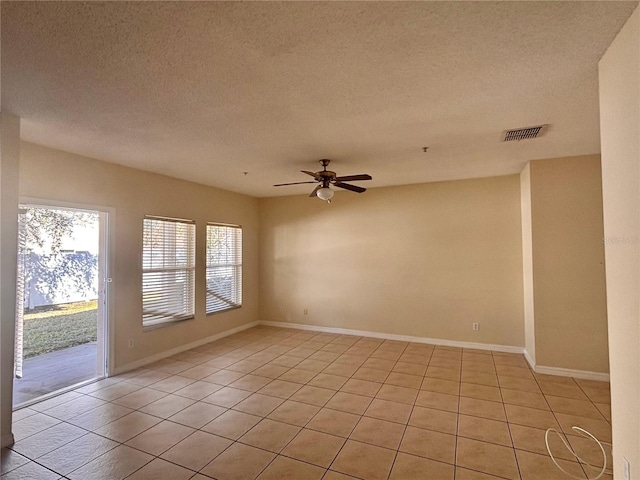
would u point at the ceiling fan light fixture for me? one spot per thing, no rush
(325, 193)
(325, 178)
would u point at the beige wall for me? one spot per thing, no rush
(527, 264)
(620, 132)
(58, 176)
(422, 260)
(568, 264)
(9, 163)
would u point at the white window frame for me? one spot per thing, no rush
(168, 266)
(224, 262)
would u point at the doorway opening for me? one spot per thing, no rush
(61, 318)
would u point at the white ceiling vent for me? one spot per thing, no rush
(524, 133)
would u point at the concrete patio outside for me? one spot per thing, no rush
(53, 371)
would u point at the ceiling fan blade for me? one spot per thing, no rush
(294, 183)
(350, 178)
(315, 190)
(353, 188)
(309, 173)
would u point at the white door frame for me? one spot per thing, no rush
(105, 269)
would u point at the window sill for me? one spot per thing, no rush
(222, 311)
(167, 323)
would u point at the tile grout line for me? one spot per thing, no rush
(455, 449)
(560, 429)
(248, 347)
(397, 450)
(347, 438)
(513, 445)
(266, 417)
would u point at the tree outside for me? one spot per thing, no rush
(60, 281)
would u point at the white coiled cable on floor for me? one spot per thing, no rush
(584, 433)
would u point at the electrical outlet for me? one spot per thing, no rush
(306, 311)
(131, 343)
(626, 474)
(475, 326)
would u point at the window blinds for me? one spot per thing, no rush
(224, 267)
(168, 270)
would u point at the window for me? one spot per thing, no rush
(224, 267)
(168, 270)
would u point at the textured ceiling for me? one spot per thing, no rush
(208, 90)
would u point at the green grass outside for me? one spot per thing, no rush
(55, 327)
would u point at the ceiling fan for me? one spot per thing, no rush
(324, 178)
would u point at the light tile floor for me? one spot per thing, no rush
(273, 403)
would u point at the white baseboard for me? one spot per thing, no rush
(392, 336)
(529, 359)
(182, 348)
(7, 440)
(566, 372)
(365, 333)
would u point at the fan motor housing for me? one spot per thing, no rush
(325, 178)
(326, 174)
